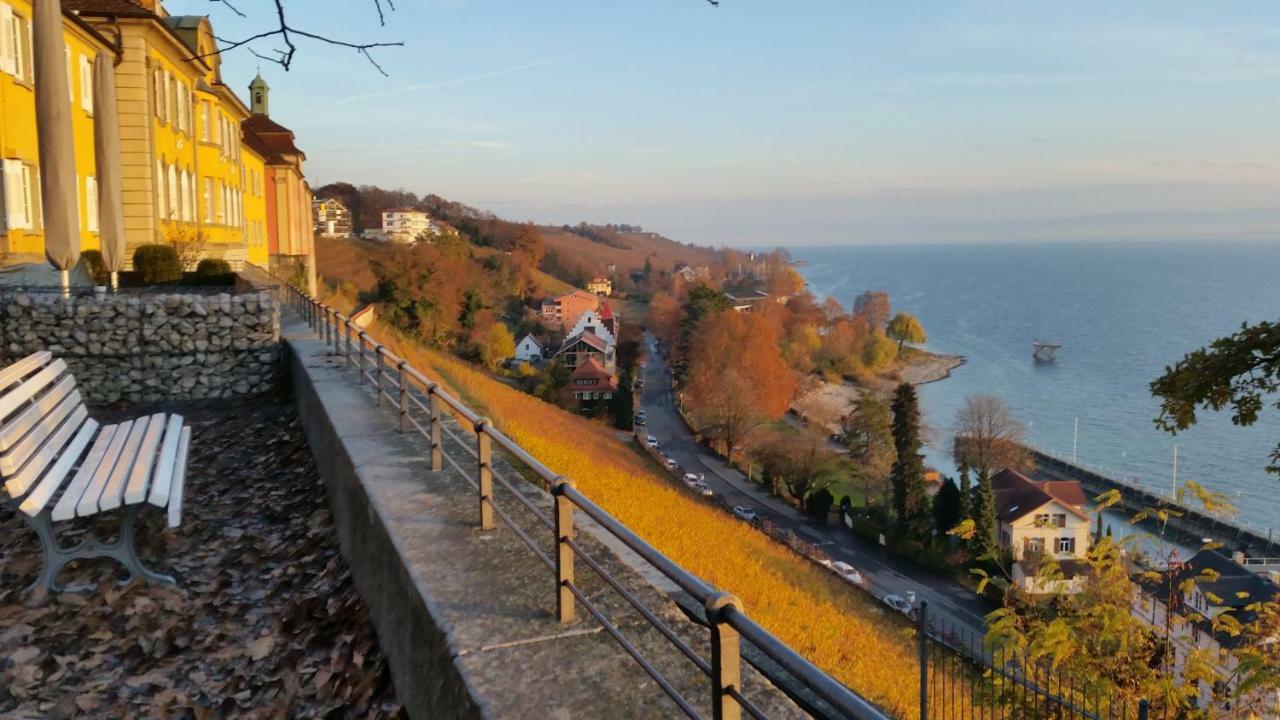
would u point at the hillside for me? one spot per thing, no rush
(662, 253)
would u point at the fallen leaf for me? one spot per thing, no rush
(261, 647)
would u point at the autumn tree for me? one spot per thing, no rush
(1240, 372)
(868, 431)
(785, 282)
(904, 327)
(909, 501)
(989, 438)
(663, 318)
(494, 344)
(736, 379)
(874, 306)
(878, 352)
(800, 463)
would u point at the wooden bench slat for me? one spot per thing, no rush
(20, 483)
(12, 460)
(163, 477)
(48, 486)
(136, 488)
(13, 430)
(179, 479)
(113, 495)
(66, 507)
(14, 398)
(88, 503)
(27, 365)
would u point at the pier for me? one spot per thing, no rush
(1258, 544)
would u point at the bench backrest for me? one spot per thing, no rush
(40, 414)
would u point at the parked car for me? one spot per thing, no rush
(847, 571)
(672, 464)
(651, 440)
(703, 489)
(746, 512)
(639, 420)
(899, 603)
(641, 412)
(690, 479)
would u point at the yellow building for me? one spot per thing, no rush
(189, 177)
(21, 222)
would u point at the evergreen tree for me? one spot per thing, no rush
(984, 517)
(947, 510)
(909, 501)
(966, 493)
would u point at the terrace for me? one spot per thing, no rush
(438, 576)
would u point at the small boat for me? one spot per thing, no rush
(1043, 352)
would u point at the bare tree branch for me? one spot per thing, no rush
(286, 32)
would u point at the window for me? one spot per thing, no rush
(204, 121)
(157, 82)
(8, 48)
(174, 201)
(1066, 545)
(91, 203)
(86, 84)
(160, 199)
(1060, 520)
(1034, 545)
(167, 113)
(184, 191)
(19, 195)
(208, 200)
(1042, 519)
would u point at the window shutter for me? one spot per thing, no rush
(8, 63)
(86, 84)
(71, 86)
(173, 192)
(14, 197)
(91, 202)
(168, 95)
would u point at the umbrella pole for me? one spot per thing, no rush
(115, 281)
(65, 277)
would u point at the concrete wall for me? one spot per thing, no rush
(152, 347)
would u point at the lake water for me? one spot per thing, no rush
(1122, 311)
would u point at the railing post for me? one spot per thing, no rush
(437, 450)
(726, 658)
(1144, 708)
(923, 631)
(484, 472)
(347, 327)
(402, 381)
(564, 552)
(360, 362)
(377, 373)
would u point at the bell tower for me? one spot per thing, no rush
(258, 96)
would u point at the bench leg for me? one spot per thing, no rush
(56, 557)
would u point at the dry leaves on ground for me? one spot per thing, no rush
(264, 623)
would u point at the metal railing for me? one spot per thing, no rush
(404, 388)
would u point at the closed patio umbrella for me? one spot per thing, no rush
(57, 151)
(106, 148)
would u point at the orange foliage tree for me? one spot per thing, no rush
(737, 378)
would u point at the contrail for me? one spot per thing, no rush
(441, 84)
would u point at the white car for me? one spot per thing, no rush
(847, 571)
(690, 479)
(651, 440)
(746, 513)
(897, 602)
(672, 464)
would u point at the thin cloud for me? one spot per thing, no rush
(441, 84)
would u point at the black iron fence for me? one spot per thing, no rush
(962, 679)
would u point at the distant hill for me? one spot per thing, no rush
(595, 257)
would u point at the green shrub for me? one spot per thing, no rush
(97, 266)
(157, 264)
(212, 266)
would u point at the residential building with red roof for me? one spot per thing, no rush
(590, 381)
(1041, 517)
(563, 311)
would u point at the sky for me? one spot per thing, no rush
(798, 122)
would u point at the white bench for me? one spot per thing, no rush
(57, 463)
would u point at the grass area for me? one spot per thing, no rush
(846, 633)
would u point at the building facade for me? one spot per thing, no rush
(1041, 518)
(332, 218)
(600, 286)
(406, 225)
(189, 175)
(562, 312)
(21, 219)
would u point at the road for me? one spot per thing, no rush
(949, 602)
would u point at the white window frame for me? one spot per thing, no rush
(17, 195)
(92, 218)
(175, 203)
(1066, 545)
(71, 85)
(208, 200)
(206, 118)
(86, 83)
(8, 33)
(162, 206)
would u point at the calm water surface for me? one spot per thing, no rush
(1123, 311)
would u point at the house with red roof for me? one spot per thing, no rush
(590, 381)
(577, 349)
(1039, 519)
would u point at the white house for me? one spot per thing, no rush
(592, 321)
(1039, 519)
(529, 349)
(406, 225)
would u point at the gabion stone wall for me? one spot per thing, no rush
(150, 347)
